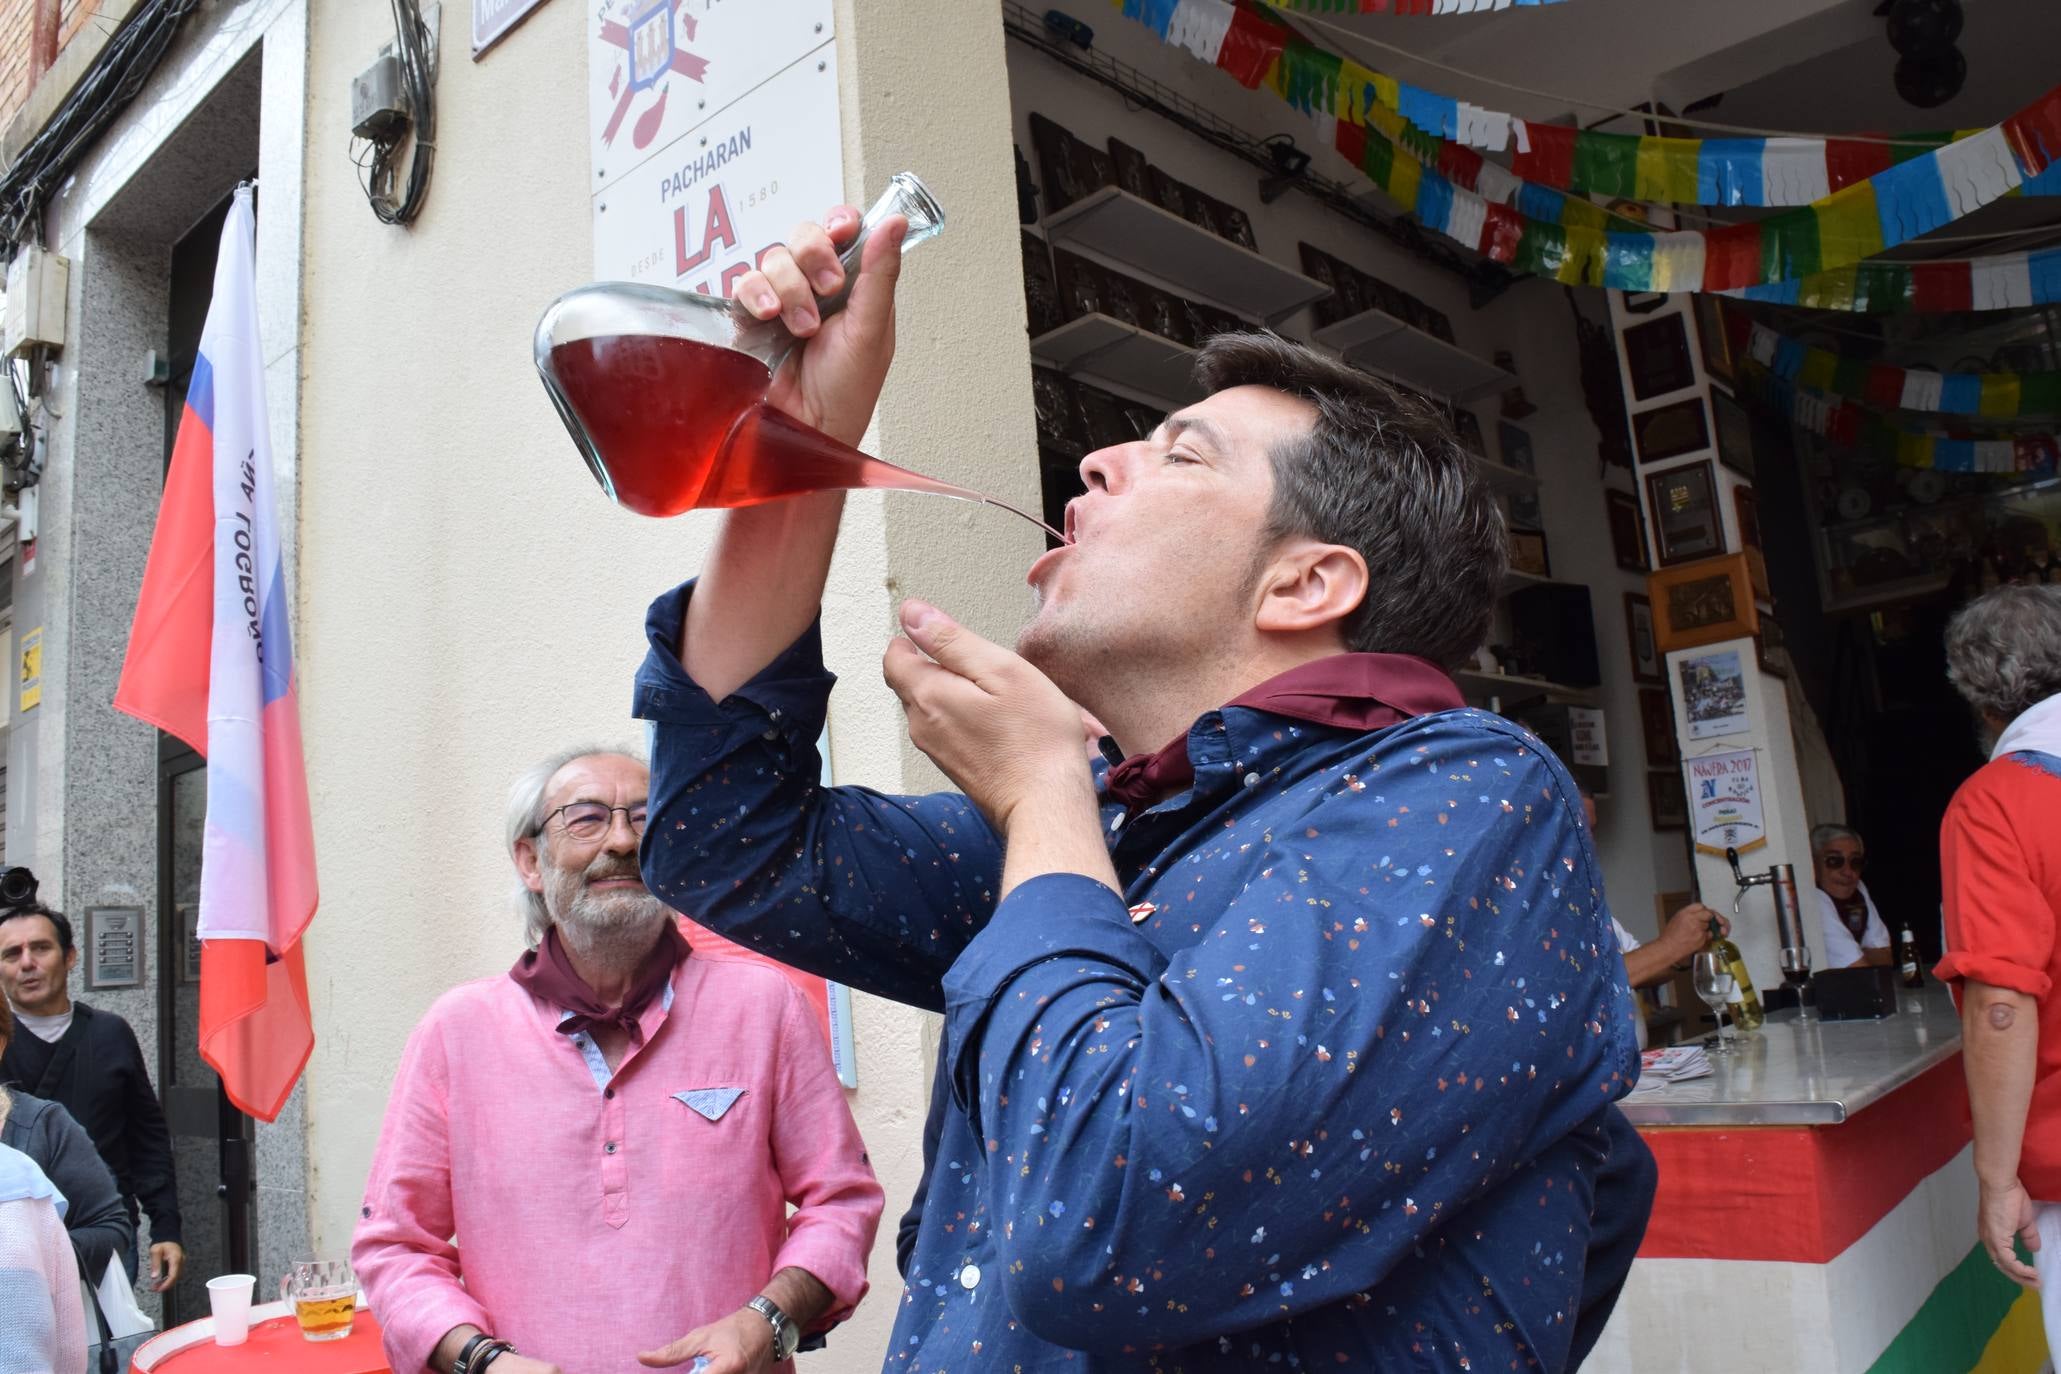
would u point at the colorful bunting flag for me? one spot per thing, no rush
(1991, 395)
(1850, 425)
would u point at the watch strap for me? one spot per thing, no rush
(786, 1335)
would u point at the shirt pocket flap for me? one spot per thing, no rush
(710, 1102)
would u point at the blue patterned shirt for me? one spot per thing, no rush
(1326, 1086)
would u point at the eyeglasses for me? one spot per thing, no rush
(1835, 862)
(590, 820)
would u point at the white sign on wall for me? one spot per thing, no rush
(1724, 802)
(658, 70)
(698, 213)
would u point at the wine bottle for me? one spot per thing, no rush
(1745, 1004)
(1907, 957)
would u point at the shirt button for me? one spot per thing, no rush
(1252, 780)
(609, 1148)
(1116, 822)
(969, 1277)
(608, 1092)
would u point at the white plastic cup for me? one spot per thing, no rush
(229, 1297)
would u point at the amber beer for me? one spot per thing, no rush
(324, 1294)
(325, 1314)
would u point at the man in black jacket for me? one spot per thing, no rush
(88, 1061)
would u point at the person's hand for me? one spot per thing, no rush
(1688, 930)
(2000, 1215)
(741, 1343)
(998, 727)
(167, 1259)
(832, 382)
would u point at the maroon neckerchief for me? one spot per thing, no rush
(546, 974)
(1348, 691)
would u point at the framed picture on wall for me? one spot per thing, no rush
(1516, 446)
(1643, 302)
(1638, 627)
(1627, 529)
(1671, 431)
(1734, 434)
(1657, 356)
(1657, 727)
(1771, 649)
(1702, 603)
(1528, 553)
(1685, 513)
(1524, 510)
(1746, 505)
(1667, 801)
(1711, 334)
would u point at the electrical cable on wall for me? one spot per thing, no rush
(110, 83)
(378, 156)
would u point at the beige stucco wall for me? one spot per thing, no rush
(469, 601)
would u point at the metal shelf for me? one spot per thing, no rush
(1497, 475)
(1380, 342)
(1105, 350)
(1119, 228)
(1513, 580)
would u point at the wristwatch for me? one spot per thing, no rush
(786, 1335)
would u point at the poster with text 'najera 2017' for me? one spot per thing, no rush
(1724, 802)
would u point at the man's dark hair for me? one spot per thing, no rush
(57, 919)
(1380, 472)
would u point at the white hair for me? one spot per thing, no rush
(526, 822)
(2004, 649)
(1822, 837)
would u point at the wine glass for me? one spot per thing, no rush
(1796, 972)
(1715, 985)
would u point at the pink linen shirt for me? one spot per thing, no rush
(591, 1223)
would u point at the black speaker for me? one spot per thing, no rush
(1557, 631)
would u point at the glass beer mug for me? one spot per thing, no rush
(664, 391)
(324, 1295)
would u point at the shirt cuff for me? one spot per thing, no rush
(794, 689)
(828, 1257)
(412, 1329)
(1960, 965)
(1053, 916)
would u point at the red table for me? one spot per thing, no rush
(276, 1346)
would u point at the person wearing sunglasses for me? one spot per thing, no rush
(1855, 935)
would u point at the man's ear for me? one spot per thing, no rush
(529, 864)
(1310, 587)
(71, 960)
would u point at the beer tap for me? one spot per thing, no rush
(1780, 880)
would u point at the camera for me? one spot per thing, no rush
(17, 887)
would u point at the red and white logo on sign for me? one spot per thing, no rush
(651, 34)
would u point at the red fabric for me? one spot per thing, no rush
(1731, 256)
(2000, 861)
(1459, 164)
(1251, 46)
(1801, 1194)
(2035, 132)
(165, 674)
(1500, 232)
(1551, 159)
(1350, 140)
(1847, 162)
(255, 1020)
(1348, 691)
(548, 975)
(275, 1343)
(1940, 286)
(1886, 386)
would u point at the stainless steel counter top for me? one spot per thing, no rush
(1810, 1074)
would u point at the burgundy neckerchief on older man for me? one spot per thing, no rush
(1347, 691)
(546, 974)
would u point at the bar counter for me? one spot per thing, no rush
(1816, 1212)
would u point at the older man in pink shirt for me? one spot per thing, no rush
(587, 1162)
